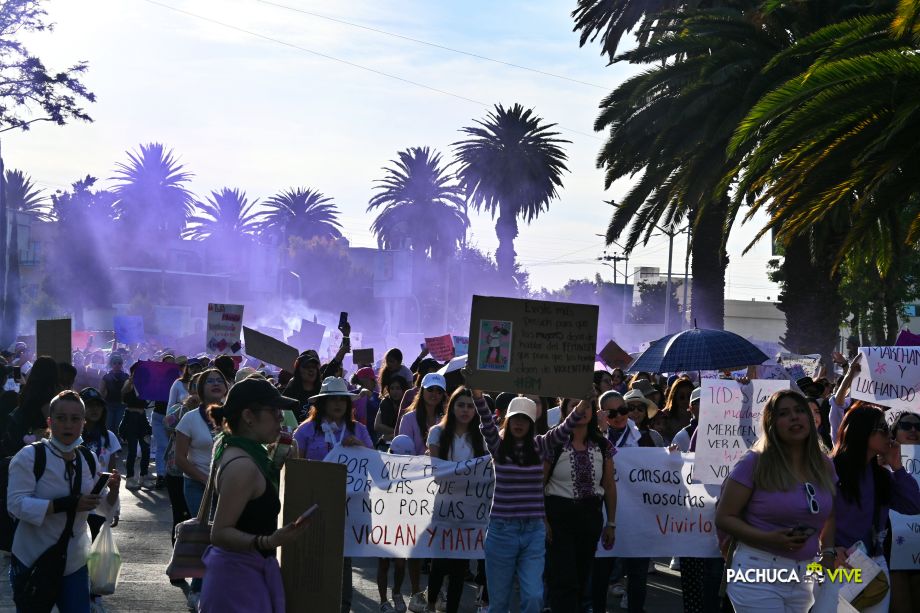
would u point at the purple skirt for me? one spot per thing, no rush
(242, 582)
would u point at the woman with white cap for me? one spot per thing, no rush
(516, 536)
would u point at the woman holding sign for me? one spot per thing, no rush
(905, 584)
(516, 536)
(778, 506)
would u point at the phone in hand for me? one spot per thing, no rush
(802, 530)
(101, 483)
(343, 320)
(306, 515)
(17, 373)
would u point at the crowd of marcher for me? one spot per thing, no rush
(821, 478)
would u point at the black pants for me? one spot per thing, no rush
(636, 571)
(700, 579)
(576, 527)
(174, 487)
(455, 571)
(135, 429)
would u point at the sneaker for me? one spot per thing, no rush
(418, 603)
(399, 603)
(675, 563)
(618, 590)
(192, 600)
(441, 606)
(484, 608)
(96, 606)
(386, 607)
(160, 483)
(134, 483)
(148, 481)
(623, 603)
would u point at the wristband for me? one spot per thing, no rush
(65, 504)
(611, 524)
(829, 552)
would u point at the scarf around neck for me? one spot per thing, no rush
(256, 451)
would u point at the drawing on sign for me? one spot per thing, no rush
(494, 351)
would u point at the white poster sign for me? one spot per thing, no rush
(730, 414)
(889, 376)
(225, 325)
(809, 364)
(905, 529)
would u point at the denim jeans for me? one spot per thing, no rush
(162, 440)
(74, 596)
(114, 414)
(194, 492)
(515, 547)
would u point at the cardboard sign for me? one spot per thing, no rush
(154, 379)
(363, 357)
(730, 420)
(52, 338)
(461, 345)
(129, 329)
(441, 348)
(311, 566)
(532, 346)
(801, 365)
(269, 350)
(614, 356)
(225, 325)
(889, 376)
(906, 338)
(310, 336)
(905, 529)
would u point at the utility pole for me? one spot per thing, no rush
(618, 258)
(667, 289)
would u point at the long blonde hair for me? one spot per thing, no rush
(773, 471)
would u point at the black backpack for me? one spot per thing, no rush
(7, 522)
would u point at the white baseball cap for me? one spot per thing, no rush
(433, 379)
(524, 406)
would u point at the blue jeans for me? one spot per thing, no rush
(194, 492)
(74, 596)
(162, 440)
(114, 414)
(515, 547)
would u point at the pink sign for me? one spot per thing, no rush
(907, 339)
(441, 348)
(153, 379)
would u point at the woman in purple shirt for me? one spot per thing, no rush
(778, 503)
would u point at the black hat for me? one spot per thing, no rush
(256, 390)
(807, 384)
(308, 356)
(503, 400)
(91, 394)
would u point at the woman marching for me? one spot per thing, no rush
(516, 536)
(778, 505)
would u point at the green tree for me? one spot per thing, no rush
(652, 303)
(23, 196)
(226, 217)
(303, 213)
(512, 165)
(422, 206)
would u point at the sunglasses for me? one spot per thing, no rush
(907, 426)
(624, 410)
(636, 406)
(810, 496)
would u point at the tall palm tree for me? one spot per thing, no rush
(23, 196)
(152, 193)
(226, 216)
(512, 165)
(423, 206)
(301, 212)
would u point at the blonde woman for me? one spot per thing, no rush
(778, 503)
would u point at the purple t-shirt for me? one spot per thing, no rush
(772, 510)
(311, 440)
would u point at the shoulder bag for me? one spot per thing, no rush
(193, 537)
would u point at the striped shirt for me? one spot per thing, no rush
(519, 489)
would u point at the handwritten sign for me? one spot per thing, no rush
(363, 357)
(225, 325)
(661, 511)
(414, 506)
(905, 529)
(129, 329)
(153, 379)
(532, 346)
(269, 350)
(614, 356)
(889, 376)
(730, 419)
(808, 365)
(461, 345)
(441, 348)
(906, 338)
(52, 338)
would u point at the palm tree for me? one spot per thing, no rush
(301, 212)
(226, 216)
(423, 206)
(512, 165)
(151, 191)
(24, 197)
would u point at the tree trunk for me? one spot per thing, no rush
(506, 229)
(4, 342)
(12, 301)
(708, 267)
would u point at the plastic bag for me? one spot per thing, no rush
(104, 563)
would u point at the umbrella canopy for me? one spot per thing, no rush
(698, 349)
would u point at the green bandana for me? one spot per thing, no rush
(256, 451)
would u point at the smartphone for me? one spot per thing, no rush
(802, 530)
(101, 482)
(343, 319)
(306, 515)
(17, 373)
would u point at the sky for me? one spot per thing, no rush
(272, 98)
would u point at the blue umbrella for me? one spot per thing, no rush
(697, 349)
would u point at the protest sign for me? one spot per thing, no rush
(461, 345)
(309, 336)
(906, 338)
(362, 357)
(729, 423)
(414, 506)
(532, 346)
(808, 365)
(441, 348)
(889, 376)
(80, 339)
(129, 329)
(52, 338)
(661, 510)
(614, 356)
(225, 325)
(905, 529)
(154, 379)
(269, 350)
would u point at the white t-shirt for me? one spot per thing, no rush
(460, 450)
(177, 393)
(193, 426)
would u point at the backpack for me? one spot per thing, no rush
(7, 522)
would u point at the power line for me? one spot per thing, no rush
(430, 44)
(342, 61)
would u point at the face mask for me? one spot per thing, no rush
(62, 448)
